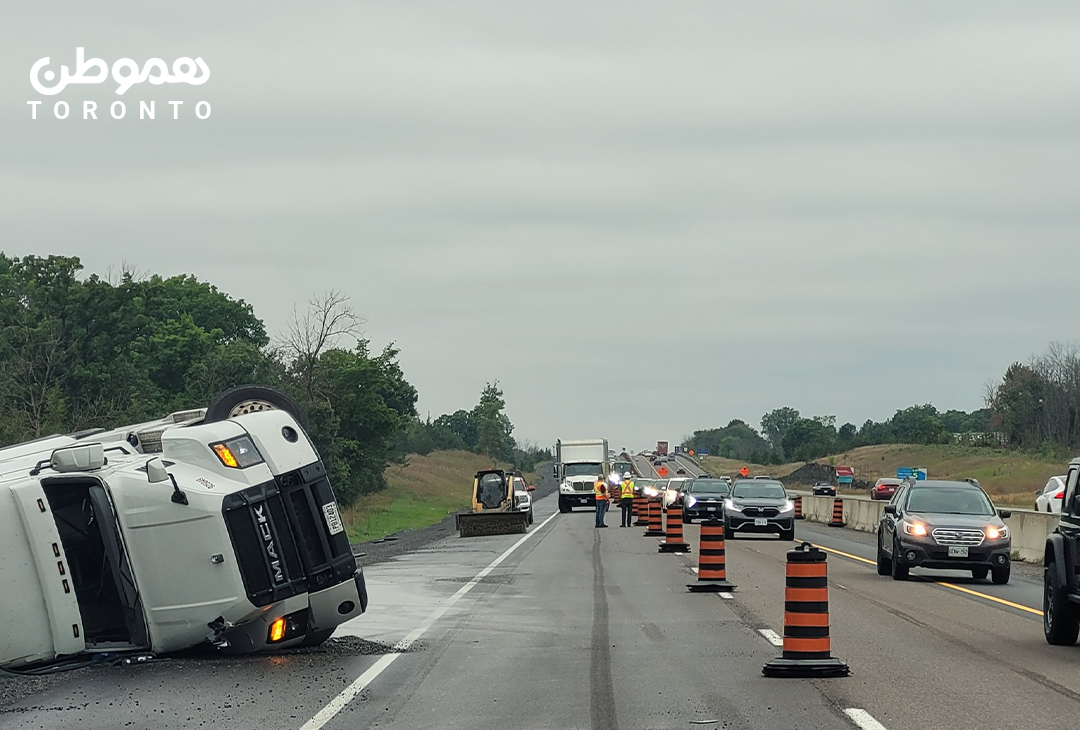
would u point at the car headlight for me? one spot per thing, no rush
(915, 528)
(997, 533)
(729, 505)
(789, 506)
(690, 501)
(651, 491)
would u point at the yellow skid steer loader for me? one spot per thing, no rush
(493, 507)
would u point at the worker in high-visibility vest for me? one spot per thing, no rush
(627, 499)
(600, 492)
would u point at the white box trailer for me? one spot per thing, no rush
(215, 525)
(578, 464)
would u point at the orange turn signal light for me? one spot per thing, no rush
(277, 630)
(227, 458)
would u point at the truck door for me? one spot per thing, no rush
(1069, 525)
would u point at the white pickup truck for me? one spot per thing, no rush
(213, 525)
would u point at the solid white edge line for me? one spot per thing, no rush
(774, 638)
(358, 685)
(863, 719)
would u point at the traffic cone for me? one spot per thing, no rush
(656, 519)
(837, 513)
(641, 511)
(712, 563)
(673, 541)
(798, 507)
(806, 619)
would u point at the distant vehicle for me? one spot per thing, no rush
(680, 471)
(657, 462)
(763, 476)
(578, 464)
(661, 448)
(885, 488)
(943, 525)
(523, 497)
(757, 505)
(1048, 499)
(824, 489)
(673, 491)
(704, 498)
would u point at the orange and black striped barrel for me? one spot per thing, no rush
(807, 645)
(673, 540)
(712, 561)
(798, 507)
(641, 511)
(656, 519)
(806, 606)
(837, 513)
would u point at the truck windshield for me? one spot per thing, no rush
(582, 470)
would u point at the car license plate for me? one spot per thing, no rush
(333, 519)
(958, 552)
(760, 522)
(710, 509)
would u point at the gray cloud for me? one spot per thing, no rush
(667, 214)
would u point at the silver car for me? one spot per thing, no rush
(759, 505)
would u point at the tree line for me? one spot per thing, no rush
(80, 352)
(786, 435)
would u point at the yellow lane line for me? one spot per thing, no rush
(988, 597)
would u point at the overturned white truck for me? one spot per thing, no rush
(214, 525)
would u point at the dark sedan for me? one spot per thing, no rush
(704, 498)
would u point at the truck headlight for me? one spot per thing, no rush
(237, 453)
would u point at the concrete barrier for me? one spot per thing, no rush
(1029, 528)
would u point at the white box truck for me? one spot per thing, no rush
(212, 525)
(578, 464)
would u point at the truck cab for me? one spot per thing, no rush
(1061, 560)
(578, 464)
(163, 535)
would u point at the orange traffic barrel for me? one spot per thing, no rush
(798, 507)
(807, 649)
(837, 513)
(712, 563)
(656, 519)
(641, 511)
(673, 540)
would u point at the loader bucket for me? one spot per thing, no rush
(479, 524)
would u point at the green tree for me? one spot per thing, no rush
(776, 422)
(493, 427)
(808, 439)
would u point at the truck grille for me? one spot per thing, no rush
(282, 543)
(582, 486)
(971, 538)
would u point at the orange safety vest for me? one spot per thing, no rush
(600, 489)
(628, 489)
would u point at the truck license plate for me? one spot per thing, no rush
(710, 509)
(760, 522)
(958, 552)
(333, 519)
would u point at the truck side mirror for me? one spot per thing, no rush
(555, 471)
(156, 471)
(1004, 514)
(530, 488)
(890, 509)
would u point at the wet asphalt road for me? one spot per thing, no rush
(585, 628)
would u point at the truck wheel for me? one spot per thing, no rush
(1000, 576)
(250, 399)
(1061, 621)
(564, 506)
(530, 516)
(884, 567)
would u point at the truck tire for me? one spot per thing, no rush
(1061, 620)
(564, 506)
(251, 398)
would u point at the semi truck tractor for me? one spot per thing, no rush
(213, 525)
(578, 464)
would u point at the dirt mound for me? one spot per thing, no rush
(811, 473)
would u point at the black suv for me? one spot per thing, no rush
(943, 525)
(1061, 583)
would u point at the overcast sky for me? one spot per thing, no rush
(642, 218)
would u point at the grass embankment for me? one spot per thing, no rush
(1011, 477)
(418, 495)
